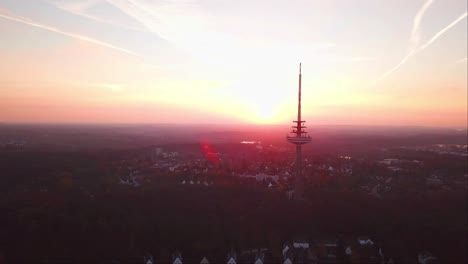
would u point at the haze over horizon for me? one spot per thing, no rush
(401, 63)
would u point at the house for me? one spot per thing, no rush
(288, 256)
(256, 256)
(286, 248)
(426, 257)
(389, 161)
(177, 258)
(148, 259)
(434, 180)
(204, 261)
(232, 257)
(364, 250)
(348, 251)
(259, 258)
(287, 261)
(365, 241)
(301, 244)
(298, 251)
(327, 251)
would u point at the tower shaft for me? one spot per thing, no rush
(299, 179)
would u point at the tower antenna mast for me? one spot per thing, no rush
(299, 137)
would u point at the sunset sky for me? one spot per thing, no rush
(365, 62)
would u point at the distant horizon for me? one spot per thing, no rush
(209, 125)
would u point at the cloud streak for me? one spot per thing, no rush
(174, 21)
(392, 70)
(414, 39)
(416, 50)
(416, 32)
(69, 34)
(137, 12)
(79, 9)
(441, 32)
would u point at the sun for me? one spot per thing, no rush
(265, 113)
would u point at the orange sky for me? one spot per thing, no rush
(189, 61)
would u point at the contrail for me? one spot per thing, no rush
(422, 47)
(79, 11)
(413, 41)
(69, 34)
(440, 33)
(145, 16)
(387, 73)
(415, 32)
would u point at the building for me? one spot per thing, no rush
(364, 250)
(148, 259)
(204, 261)
(298, 138)
(327, 251)
(231, 257)
(298, 251)
(177, 258)
(259, 258)
(427, 258)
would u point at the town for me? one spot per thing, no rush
(229, 200)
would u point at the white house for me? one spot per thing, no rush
(426, 258)
(365, 241)
(148, 259)
(286, 248)
(231, 260)
(301, 244)
(259, 258)
(232, 257)
(348, 251)
(177, 258)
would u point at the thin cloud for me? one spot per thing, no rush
(413, 41)
(189, 28)
(422, 47)
(403, 61)
(69, 34)
(416, 32)
(79, 9)
(160, 22)
(441, 32)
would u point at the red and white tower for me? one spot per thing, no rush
(299, 137)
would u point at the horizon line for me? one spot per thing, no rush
(225, 124)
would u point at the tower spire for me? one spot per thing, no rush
(299, 130)
(298, 138)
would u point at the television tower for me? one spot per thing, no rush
(298, 138)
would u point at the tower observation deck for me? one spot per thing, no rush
(299, 137)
